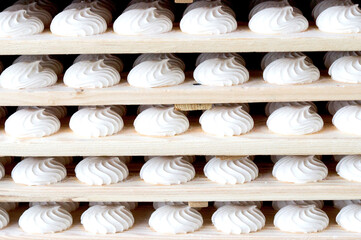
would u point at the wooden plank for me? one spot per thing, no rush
(183, 1)
(260, 141)
(192, 107)
(198, 204)
(255, 90)
(141, 229)
(200, 189)
(242, 40)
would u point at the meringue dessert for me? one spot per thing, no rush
(9, 206)
(102, 219)
(175, 220)
(108, 59)
(96, 122)
(33, 9)
(233, 219)
(346, 69)
(273, 106)
(226, 121)
(330, 57)
(120, 109)
(294, 120)
(277, 205)
(288, 71)
(339, 204)
(101, 170)
(349, 218)
(338, 17)
(78, 23)
(220, 70)
(245, 106)
(349, 168)
(64, 160)
(46, 61)
(68, 206)
(301, 219)
(167, 171)
(334, 106)
(157, 205)
(100, 8)
(19, 23)
(161, 121)
(2, 171)
(31, 123)
(58, 111)
(189, 159)
(233, 170)
(156, 73)
(128, 205)
(144, 18)
(272, 56)
(141, 108)
(26, 75)
(348, 119)
(91, 74)
(276, 17)
(57, 219)
(4, 218)
(258, 204)
(173, 59)
(208, 17)
(299, 169)
(33, 171)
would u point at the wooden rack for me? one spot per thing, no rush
(263, 188)
(260, 141)
(194, 142)
(255, 90)
(141, 229)
(242, 40)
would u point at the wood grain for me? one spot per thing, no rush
(255, 90)
(141, 229)
(242, 40)
(260, 141)
(200, 189)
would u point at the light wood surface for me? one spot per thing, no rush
(183, 1)
(260, 141)
(197, 191)
(198, 204)
(141, 229)
(256, 90)
(242, 40)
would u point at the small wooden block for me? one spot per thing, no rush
(183, 1)
(192, 107)
(198, 204)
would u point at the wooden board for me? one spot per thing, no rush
(183, 1)
(242, 40)
(255, 90)
(260, 141)
(200, 189)
(141, 229)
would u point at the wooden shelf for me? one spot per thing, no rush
(255, 90)
(141, 229)
(264, 188)
(242, 40)
(260, 141)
